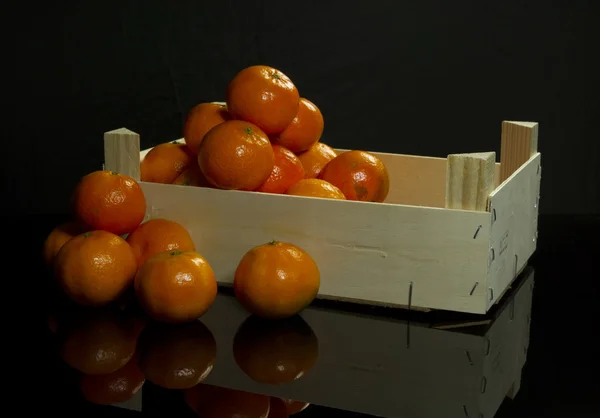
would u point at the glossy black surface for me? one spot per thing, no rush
(342, 356)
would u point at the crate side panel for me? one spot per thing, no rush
(367, 252)
(514, 209)
(359, 355)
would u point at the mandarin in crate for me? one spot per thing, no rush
(264, 96)
(276, 280)
(95, 268)
(316, 188)
(58, 237)
(287, 171)
(304, 130)
(165, 162)
(177, 356)
(201, 119)
(116, 387)
(158, 235)
(192, 176)
(109, 201)
(236, 155)
(315, 158)
(175, 286)
(359, 175)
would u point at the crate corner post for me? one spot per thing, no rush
(122, 152)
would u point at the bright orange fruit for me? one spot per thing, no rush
(95, 268)
(263, 96)
(158, 235)
(317, 157)
(287, 171)
(165, 162)
(201, 119)
(276, 280)
(304, 130)
(236, 155)
(58, 237)
(316, 188)
(359, 175)
(109, 201)
(175, 286)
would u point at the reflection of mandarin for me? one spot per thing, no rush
(97, 341)
(315, 158)
(276, 280)
(116, 387)
(177, 356)
(217, 402)
(293, 407)
(275, 352)
(278, 408)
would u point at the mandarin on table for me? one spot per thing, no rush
(177, 356)
(58, 237)
(287, 171)
(236, 155)
(294, 407)
(165, 162)
(158, 235)
(263, 96)
(175, 286)
(109, 201)
(201, 119)
(116, 387)
(276, 280)
(278, 408)
(304, 130)
(316, 188)
(315, 158)
(95, 268)
(359, 175)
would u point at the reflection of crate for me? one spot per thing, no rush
(410, 250)
(392, 368)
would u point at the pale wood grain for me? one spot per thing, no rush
(469, 180)
(122, 152)
(519, 143)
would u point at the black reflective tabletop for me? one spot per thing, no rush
(532, 355)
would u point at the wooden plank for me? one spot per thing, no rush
(469, 180)
(122, 152)
(367, 252)
(360, 354)
(514, 209)
(519, 143)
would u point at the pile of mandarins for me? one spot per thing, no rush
(266, 138)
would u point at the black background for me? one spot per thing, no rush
(416, 77)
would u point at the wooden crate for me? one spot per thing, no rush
(408, 251)
(386, 367)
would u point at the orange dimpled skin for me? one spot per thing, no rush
(95, 268)
(165, 162)
(109, 201)
(359, 175)
(316, 188)
(305, 130)
(58, 237)
(287, 171)
(175, 286)
(263, 96)
(276, 280)
(315, 158)
(236, 155)
(201, 119)
(158, 235)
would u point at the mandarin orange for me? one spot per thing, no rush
(316, 188)
(304, 130)
(58, 237)
(165, 162)
(201, 119)
(315, 158)
(287, 171)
